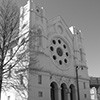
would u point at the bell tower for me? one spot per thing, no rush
(38, 24)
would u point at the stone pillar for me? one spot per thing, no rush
(68, 93)
(68, 96)
(59, 93)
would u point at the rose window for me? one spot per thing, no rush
(60, 51)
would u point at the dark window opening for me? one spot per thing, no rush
(65, 60)
(54, 91)
(39, 79)
(64, 92)
(59, 41)
(40, 94)
(51, 48)
(54, 57)
(85, 95)
(66, 53)
(54, 42)
(64, 46)
(60, 62)
(84, 85)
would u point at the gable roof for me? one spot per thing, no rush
(56, 20)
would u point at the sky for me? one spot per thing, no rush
(84, 15)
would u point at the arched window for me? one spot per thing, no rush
(54, 91)
(72, 92)
(64, 92)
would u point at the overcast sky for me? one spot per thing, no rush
(85, 15)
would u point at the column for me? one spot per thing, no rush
(59, 93)
(68, 94)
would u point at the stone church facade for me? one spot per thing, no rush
(58, 50)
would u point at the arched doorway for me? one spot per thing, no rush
(64, 92)
(72, 92)
(54, 91)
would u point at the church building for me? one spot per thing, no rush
(57, 65)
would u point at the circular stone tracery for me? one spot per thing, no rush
(60, 51)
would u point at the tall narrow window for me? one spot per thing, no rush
(81, 58)
(40, 94)
(84, 85)
(85, 96)
(39, 79)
